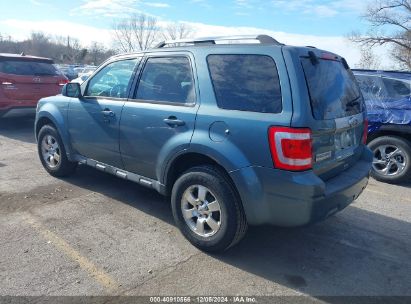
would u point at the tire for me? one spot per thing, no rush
(49, 146)
(392, 159)
(231, 220)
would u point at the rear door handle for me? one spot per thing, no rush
(174, 122)
(108, 112)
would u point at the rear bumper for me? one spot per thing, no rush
(17, 107)
(18, 111)
(285, 198)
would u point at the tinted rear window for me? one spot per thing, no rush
(246, 82)
(333, 89)
(28, 68)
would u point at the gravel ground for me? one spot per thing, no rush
(94, 234)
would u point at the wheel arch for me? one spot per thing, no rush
(403, 131)
(57, 121)
(187, 160)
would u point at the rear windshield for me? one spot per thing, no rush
(28, 68)
(333, 89)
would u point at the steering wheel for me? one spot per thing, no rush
(118, 91)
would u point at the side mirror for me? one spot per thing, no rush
(71, 89)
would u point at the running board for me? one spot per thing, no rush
(144, 181)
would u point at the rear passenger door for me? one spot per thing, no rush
(160, 117)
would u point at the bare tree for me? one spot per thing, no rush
(392, 15)
(137, 32)
(178, 30)
(368, 59)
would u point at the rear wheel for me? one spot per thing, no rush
(392, 159)
(207, 210)
(52, 153)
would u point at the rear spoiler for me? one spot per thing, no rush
(326, 56)
(24, 59)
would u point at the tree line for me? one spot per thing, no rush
(66, 50)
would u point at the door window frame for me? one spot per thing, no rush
(140, 71)
(85, 85)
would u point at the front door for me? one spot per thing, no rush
(160, 118)
(93, 119)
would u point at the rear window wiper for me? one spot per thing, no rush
(313, 58)
(353, 103)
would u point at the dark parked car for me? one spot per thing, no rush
(388, 99)
(68, 71)
(24, 80)
(236, 134)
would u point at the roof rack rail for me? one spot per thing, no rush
(263, 39)
(381, 71)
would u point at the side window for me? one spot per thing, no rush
(113, 80)
(397, 88)
(370, 86)
(167, 79)
(246, 82)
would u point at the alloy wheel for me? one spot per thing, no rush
(50, 151)
(389, 160)
(201, 210)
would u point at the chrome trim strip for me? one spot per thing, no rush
(121, 174)
(101, 167)
(144, 181)
(349, 121)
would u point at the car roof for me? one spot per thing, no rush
(23, 56)
(216, 44)
(394, 74)
(209, 43)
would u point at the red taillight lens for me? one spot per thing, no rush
(62, 82)
(291, 148)
(365, 133)
(5, 81)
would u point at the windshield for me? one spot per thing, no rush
(28, 68)
(333, 89)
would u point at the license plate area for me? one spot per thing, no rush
(345, 143)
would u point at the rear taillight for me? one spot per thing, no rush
(62, 82)
(291, 148)
(365, 132)
(5, 81)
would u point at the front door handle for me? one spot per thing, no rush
(174, 122)
(108, 112)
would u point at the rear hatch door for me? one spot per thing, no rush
(337, 108)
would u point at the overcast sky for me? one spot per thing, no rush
(320, 23)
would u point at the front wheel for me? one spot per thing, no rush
(52, 152)
(392, 159)
(207, 210)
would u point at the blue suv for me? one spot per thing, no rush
(235, 132)
(387, 97)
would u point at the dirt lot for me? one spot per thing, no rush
(94, 234)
